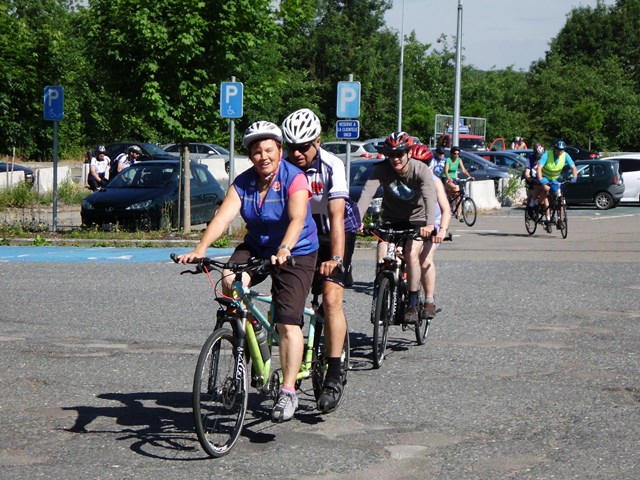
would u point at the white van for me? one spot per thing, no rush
(630, 170)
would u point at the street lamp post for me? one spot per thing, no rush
(456, 96)
(401, 69)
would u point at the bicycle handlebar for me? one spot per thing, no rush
(409, 233)
(253, 264)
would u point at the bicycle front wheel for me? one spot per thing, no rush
(220, 393)
(422, 327)
(469, 211)
(381, 319)
(530, 221)
(563, 226)
(320, 360)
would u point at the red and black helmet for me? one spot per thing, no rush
(397, 142)
(421, 152)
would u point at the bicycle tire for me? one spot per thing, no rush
(220, 393)
(530, 223)
(319, 361)
(469, 211)
(381, 320)
(422, 327)
(562, 218)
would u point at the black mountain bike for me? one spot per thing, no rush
(534, 216)
(469, 211)
(390, 293)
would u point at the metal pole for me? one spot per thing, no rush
(55, 176)
(456, 96)
(232, 161)
(348, 152)
(401, 70)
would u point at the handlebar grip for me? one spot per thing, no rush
(174, 257)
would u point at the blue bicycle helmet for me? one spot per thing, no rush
(560, 145)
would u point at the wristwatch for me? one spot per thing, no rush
(283, 247)
(337, 258)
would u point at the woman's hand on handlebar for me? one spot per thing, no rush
(440, 236)
(190, 257)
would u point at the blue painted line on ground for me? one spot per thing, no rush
(48, 254)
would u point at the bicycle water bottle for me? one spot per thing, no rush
(261, 337)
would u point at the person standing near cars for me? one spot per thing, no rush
(337, 219)
(124, 160)
(98, 168)
(273, 200)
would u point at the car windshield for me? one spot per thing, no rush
(154, 150)
(369, 148)
(146, 176)
(221, 151)
(360, 173)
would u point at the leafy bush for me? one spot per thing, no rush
(20, 195)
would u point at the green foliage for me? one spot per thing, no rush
(40, 241)
(149, 70)
(222, 242)
(20, 195)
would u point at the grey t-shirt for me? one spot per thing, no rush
(409, 198)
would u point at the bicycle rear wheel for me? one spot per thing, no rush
(422, 327)
(320, 361)
(530, 222)
(562, 218)
(220, 393)
(382, 312)
(469, 211)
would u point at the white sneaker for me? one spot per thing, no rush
(285, 407)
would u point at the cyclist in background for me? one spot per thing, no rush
(441, 225)
(530, 177)
(549, 169)
(98, 168)
(272, 198)
(408, 201)
(337, 220)
(438, 163)
(450, 176)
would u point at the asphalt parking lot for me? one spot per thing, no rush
(530, 371)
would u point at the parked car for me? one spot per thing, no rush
(359, 174)
(599, 182)
(150, 151)
(467, 142)
(523, 152)
(509, 160)
(202, 150)
(629, 168)
(145, 196)
(578, 153)
(358, 149)
(14, 167)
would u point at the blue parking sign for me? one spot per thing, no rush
(231, 99)
(348, 105)
(53, 103)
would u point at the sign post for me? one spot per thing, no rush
(54, 111)
(231, 106)
(348, 106)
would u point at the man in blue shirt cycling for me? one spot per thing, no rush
(549, 170)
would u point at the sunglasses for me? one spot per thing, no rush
(302, 148)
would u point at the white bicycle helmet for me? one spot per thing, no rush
(302, 126)
(259, 131)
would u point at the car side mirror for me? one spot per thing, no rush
(211, 152)
(473, 168)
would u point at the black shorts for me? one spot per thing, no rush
(290, 285)
(325, 254)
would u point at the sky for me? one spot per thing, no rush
(495, 33)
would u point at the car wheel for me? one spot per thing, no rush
(603, 200)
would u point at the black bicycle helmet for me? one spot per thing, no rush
(560, 145)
